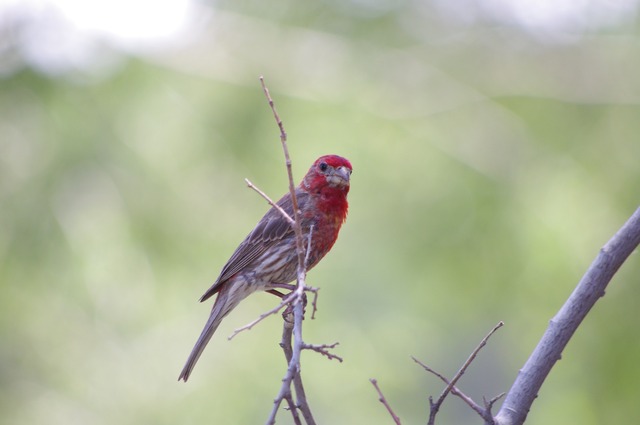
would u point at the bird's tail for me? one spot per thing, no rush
(225, 302)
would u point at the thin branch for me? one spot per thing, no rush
(563, 325)
(383, 400)
(454, 390)
(298, 313)
(324, 350)
(314, 303)
(270, 201)
(293, 409)
(435, 407)
(272, 105)
(488, 405)
(306, 257)
(302, 404)
(296, 213)
(484, 413)
(298, 295)
(285, 343)
(286, 300)
(294, 363)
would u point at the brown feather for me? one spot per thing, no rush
(272, 228)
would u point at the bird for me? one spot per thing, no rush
(267, 259)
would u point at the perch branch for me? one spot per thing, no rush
(297, 228)
(298, 296)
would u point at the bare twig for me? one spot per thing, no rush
(306, 256)
(562, 327)
(292, 189)
(270, 201)
(285, 343)
(302, 404)
(488, 405)
(458, 375)
(314, 303)
(298, 313)
(454, 390)
(272, 105)
(285, 301)
(434, 407)
(383, 400)
(324, 350)
(297, 296)
(484, 413)
(293, 409)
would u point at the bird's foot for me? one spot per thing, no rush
(287, 314)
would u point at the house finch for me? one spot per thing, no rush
(267, 258)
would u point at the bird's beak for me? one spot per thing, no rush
(340, 177)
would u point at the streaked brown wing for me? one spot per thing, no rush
(272, 228)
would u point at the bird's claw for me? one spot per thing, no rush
(287, 314)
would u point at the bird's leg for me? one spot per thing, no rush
(287, 314)
(286, 286)
(276, 293)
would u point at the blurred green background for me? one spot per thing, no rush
(495, 150)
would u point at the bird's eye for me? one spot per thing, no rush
(323, 166)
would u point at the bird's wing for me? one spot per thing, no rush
(271, 229)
